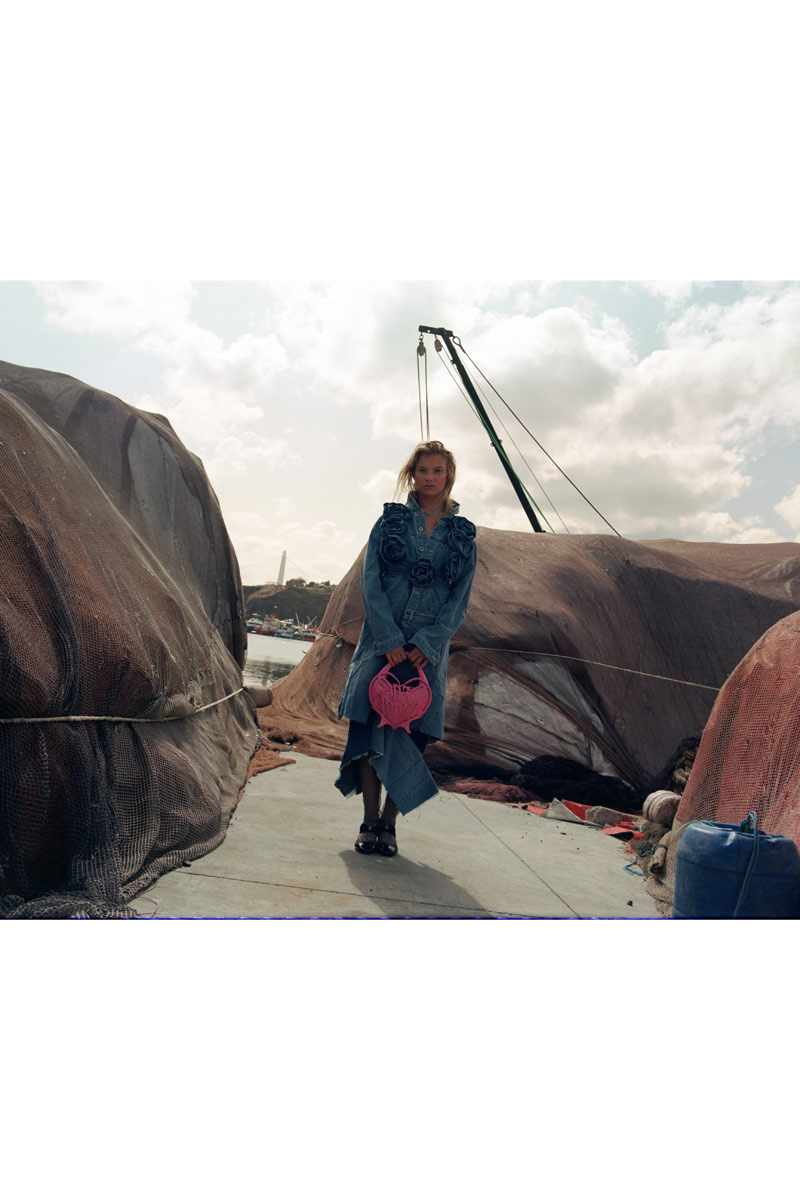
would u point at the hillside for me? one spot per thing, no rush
(307, 603)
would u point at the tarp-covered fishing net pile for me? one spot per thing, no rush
(120, 599)
(749, 755)
(591, 650)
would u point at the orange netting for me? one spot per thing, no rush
(749, 755)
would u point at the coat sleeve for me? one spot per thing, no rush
(432, 639)
(384, 628)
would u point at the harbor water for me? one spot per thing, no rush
(270, 658)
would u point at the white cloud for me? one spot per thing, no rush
(125, 309)
(475, 484)
(789, 508)
(738, 364)
(680, 427)
(721, 527)
(380, 487)
(318, 397)
(674, 291)
(503, 516)
(209, 392)
(317, 551)
(235, 457)
(658, 444)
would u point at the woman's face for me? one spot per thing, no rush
(430, 476)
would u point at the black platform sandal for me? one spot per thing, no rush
(368, 847)
(389, 849)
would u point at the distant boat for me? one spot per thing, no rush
(298, 633)
(269, 628)
(282, 629)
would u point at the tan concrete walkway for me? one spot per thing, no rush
(289, 853)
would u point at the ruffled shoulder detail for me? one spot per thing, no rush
(461, 537)
(464, 527)
(396, 512)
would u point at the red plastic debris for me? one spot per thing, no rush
(624, 830)
(580, 810)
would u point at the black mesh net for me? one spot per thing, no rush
(121, 606)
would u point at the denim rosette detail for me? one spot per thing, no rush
(421, 573)
(395, 512)
(392, 548)
(461, 536)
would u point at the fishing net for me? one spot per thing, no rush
(749, 754)
(121, 606)
(586, 649)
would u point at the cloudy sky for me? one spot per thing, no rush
(350, 150)
(672, 405)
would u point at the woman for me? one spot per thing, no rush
(415, 582)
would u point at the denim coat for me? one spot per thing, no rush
(415, 590)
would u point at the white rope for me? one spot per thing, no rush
(126, 720)
(547, 654)
(592, 663)
(422, 354)
(427, 411)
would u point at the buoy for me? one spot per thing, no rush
(661, 807)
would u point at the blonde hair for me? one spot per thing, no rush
(405, 480)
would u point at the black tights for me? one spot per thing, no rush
(371, 789)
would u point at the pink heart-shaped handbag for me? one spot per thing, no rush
(398, 704)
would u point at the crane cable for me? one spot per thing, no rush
(646, 615)
(498, 445)
(539, 444)
(423, 354)
(506, 430)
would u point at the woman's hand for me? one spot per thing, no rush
(396, 656)
(417, 657)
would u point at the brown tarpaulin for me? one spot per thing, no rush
(545, 610)
(119, 597)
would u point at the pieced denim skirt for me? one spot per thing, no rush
(396, 757)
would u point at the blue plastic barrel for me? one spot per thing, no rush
(725, 871)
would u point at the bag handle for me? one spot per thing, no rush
(388, 671)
